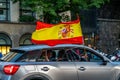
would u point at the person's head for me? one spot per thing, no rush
(61, 53)
(43, 52)
(117, 48)
(53, 54)
(95, 47)
(89, 45)
(49, 53)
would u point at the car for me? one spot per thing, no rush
(59, 62)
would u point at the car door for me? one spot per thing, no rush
(67, 71)
(93, 68)
(66, 67)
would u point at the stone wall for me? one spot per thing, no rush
(16, 30)
(109, 31)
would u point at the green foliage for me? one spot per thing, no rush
(53, 7)
(26, 18)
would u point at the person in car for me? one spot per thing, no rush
(44, 55)
(60, 55)
(49, 55)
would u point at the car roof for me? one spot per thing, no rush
(36, 47)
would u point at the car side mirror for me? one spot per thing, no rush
(104, 62)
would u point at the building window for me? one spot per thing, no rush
(26, 14)
(25, 40)
(5, 43)
(4, 10)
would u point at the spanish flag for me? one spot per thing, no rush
(62, 33)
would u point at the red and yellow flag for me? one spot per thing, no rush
(62, 33)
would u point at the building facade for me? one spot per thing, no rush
(12, 32)
(108, 23)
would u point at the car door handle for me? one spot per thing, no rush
(45, 68)
(82, 68)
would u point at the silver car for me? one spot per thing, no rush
(60, 62)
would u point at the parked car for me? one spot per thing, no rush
(60, 62)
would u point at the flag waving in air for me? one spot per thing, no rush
(62, 33)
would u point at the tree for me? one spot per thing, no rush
(52, 8)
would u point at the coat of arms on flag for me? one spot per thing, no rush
(65, 31)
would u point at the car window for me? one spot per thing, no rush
(30, 56)
(43, 56)
(88, 55)
(11, 56)
(51, 55)
(72, 56)
(57, 54)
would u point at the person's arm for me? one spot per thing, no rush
(46, 56)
